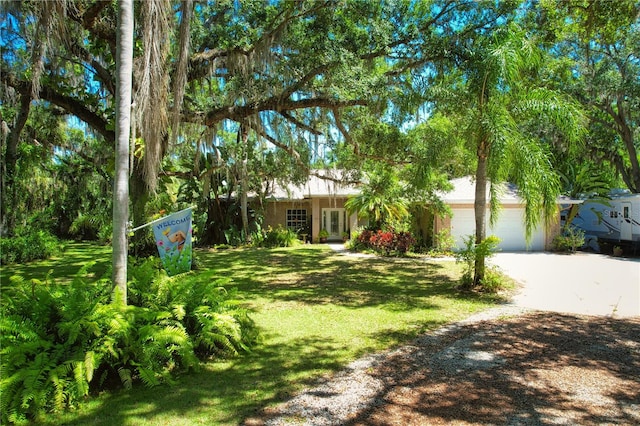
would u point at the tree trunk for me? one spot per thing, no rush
(633, 182)
(622, 124)
(7, 206)
(139, 195)
(124, 66)
(244, 133)
(480, 207)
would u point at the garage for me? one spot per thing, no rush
(510, 228)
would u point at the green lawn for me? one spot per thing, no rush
(63, 266)
(316, 310)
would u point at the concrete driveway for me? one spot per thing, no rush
(582, 283)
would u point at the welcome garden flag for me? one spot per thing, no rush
(173, 239)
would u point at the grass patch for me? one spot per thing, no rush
(64, 266)
(316, 310)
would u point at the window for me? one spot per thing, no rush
(625, 212)
(296, 219)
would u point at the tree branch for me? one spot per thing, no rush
(239, 112)
(290, 150)
(101, 71)
(90, 15)
(299, 123)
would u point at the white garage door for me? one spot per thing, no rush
(509, 228)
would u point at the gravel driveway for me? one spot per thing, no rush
(566, 351)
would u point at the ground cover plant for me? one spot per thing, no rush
(315, 310)
(62, 341)
(28, 246)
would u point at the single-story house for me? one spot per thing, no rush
(317, 204)
(509, 227)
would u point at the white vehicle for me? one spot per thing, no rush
(614, 220)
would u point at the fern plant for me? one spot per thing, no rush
(47, 360)
(60, 342)
(205, 310)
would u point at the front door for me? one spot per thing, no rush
(333, 221)
(625, 222)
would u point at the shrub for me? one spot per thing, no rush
(59, 342)
(234, 236)
(354, 241)
(382, 241)
(48, 354)
(443, 242)
(33, 245)
(364, 238)
(569, 240)
(279, 237)
(205, 309)
(403, 241)
(468, 256)
(385, 242)
(494, 280)
(105, 234)
(85, 227)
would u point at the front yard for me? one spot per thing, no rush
(316, 311)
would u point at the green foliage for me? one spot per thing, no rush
(586, 179)
(443, 242)
(568, 240)
(105, 234)
(468, 256)
(59, 342)
(494, 281)
(32, 245)
(85, 227)
(204, 308)
(234, 236)
(356, 242)
(380, 200)
(49, 339)
(279, 237)
(606, 84)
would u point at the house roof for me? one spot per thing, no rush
(316, 187)
(464, 192)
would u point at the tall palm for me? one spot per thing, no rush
(124, 65)
(504, 102)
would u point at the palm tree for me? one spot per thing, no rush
(503, 103)
(124, 65)
(380, 200)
